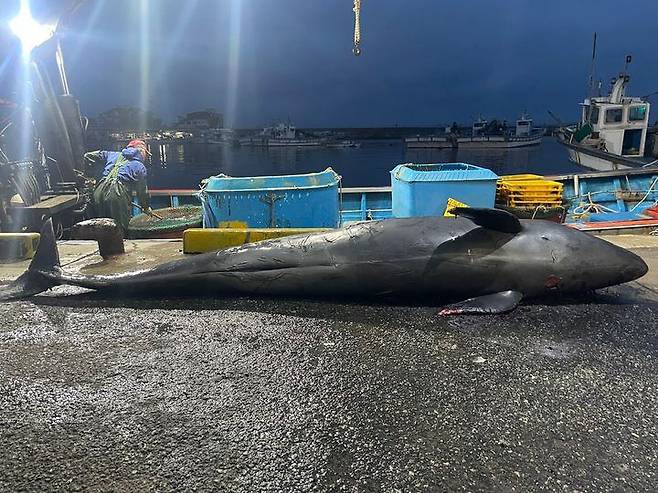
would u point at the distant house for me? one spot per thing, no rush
(127, 118)
(127, 122)
(200, 120)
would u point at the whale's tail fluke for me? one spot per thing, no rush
(35, 280)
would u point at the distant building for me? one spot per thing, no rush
(126, 121)
(127, 118)
(200, 120)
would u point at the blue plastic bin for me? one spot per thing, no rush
(287, 201)
(424, 189)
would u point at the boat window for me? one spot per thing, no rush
(613, 115)
(637, 113)
(594, 115)
(632, 143)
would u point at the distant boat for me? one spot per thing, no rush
(621, 200)
(218, 136)
(483, 135)
(494, 135)
(446, 141)
(280, 135)
(612, 133)
(343, 144)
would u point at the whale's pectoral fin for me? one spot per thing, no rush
(496, 219)
(502, 302)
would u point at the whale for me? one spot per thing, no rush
(480, 261)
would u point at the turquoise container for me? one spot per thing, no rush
(287, 201)
(424, 189)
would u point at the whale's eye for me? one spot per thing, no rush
(545, 238)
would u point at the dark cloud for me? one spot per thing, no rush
(423, 62)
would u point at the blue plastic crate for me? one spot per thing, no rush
(424, 189)
(286, 201)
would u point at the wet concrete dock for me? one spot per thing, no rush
(247, 394)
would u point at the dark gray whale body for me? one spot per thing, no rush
(487, 257)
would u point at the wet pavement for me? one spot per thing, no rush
(246, 394)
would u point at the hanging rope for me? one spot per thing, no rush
(653, 185)
(589, 207)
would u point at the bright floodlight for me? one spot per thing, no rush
(29, 31)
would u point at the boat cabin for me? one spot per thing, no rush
(479, 127)
(619, 123)
(280, 131)
(523, 126)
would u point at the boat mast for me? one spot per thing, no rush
(590, 88)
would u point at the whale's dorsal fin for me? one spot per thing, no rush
(495, 219)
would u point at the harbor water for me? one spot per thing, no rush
(185, 165)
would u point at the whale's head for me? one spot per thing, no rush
(551, 256)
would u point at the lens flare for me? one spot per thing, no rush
(82, 37)
(29, 31)
(233, 62)
(144, 59)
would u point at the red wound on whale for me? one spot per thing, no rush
(552, 281)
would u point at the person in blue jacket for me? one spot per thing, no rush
(123, 174)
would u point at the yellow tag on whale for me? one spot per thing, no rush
(451, 204)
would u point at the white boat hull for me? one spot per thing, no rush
(599, 160)
(428, 143)
(279, 143)
(293, 143)
(594, 162)
(496, 142)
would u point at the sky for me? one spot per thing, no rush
(424, 62)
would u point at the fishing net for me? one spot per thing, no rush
(174, 220)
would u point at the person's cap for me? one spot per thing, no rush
(137, 143)
(140, 144)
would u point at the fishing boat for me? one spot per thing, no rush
(619, 200)
(599, 202)
(217, 136)
(494, 135)
(281, 135)
(447, 140)
(343, 144)
(483, 134)
(612, 133)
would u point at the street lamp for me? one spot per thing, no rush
(29, 31)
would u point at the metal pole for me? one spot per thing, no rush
(591, 70)
(59, 57)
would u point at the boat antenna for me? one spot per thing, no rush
(357, 28)
(590, 91)
(629, 59)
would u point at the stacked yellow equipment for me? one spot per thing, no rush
(528, 191)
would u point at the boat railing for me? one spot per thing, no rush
(603, 174)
